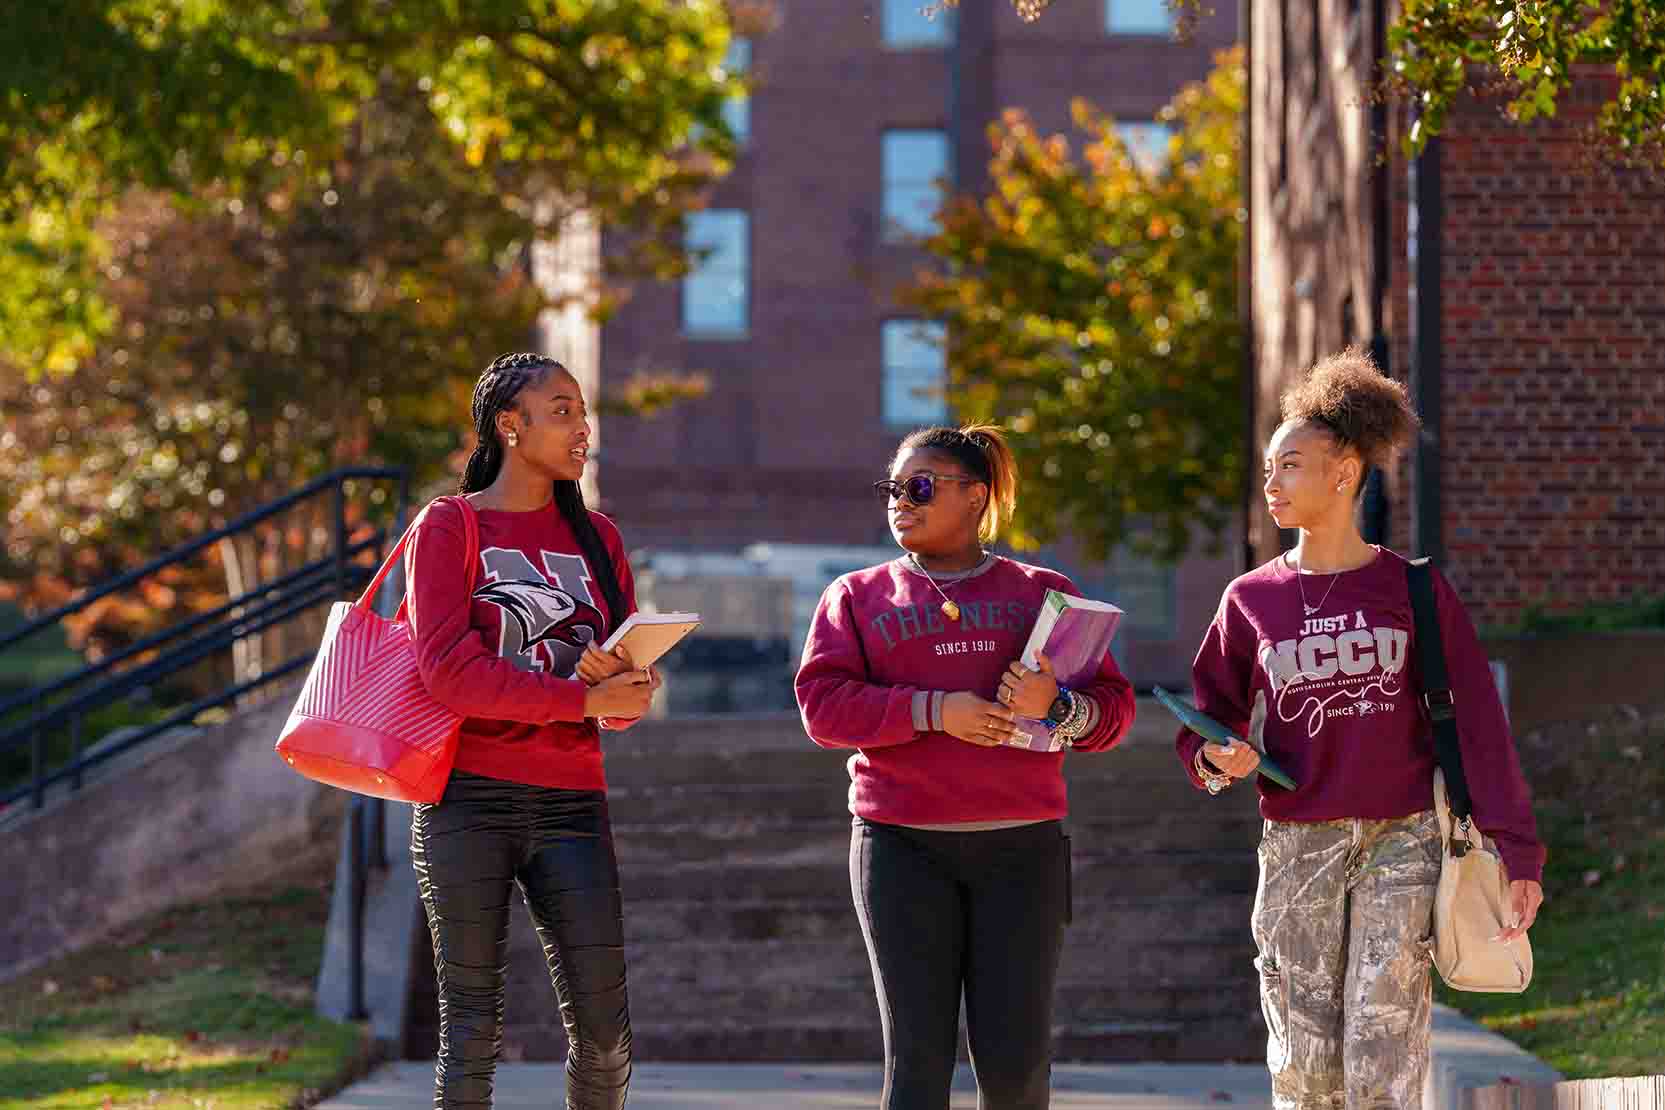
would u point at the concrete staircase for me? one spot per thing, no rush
(733, 840)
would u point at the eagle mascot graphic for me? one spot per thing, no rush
(546, 614)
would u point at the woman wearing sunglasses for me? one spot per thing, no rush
(958, 861)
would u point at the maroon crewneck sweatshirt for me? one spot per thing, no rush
(880, 658)
(1342, 694)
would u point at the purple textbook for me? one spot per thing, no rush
(1073, 632)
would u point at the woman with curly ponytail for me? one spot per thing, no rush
(1312, 656)
(526, 806)
(958, 860)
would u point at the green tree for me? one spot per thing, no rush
(1438, 48)
(587, 103)
(1091, 307)
(240, 244)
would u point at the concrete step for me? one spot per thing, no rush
(761, 834)
(673, 978)
(819, 870)
(1128, 1039)
(1100, 920)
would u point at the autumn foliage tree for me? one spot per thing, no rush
(241, 243)
(1091, 309)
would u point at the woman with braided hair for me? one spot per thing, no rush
(1313, 657)
(519, 658)
(958, 860)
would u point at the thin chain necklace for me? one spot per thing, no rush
(1312, 610)
(949, 609)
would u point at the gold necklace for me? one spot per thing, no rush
(949, 609)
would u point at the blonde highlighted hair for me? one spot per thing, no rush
(983, 451)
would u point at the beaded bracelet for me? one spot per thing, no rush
(1073, 726)
(1215, 781)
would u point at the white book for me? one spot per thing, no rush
(647, 636)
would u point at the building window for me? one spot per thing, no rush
(915, 373)
(1138, 17)
(1147, 143)
(716, 292)
(914, 163)
(737, 112)
(913, 24)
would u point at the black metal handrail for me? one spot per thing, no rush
(335, 480)
(64, 703)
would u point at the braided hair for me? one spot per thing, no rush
(497, 389)
(982, 449)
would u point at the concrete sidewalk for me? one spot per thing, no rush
(1464, 1055)
(409, 1084)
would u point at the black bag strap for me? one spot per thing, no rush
(1437, 697)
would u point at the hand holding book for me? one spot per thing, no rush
(1213, 731)
(1029, 692)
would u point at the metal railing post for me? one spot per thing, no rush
(75, 751)
(340, 500)
(355, 910)
(378, 833)
(37, 768)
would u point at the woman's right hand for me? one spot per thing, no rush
(965, 716)
(1240, 760)
(627, 694)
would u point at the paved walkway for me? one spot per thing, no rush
(409, 1084)
(1464, 1055)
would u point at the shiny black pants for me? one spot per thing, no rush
(482, 837)
(975, 913)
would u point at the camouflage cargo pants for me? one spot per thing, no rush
(1342, 920)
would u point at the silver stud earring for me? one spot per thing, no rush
(514, 440)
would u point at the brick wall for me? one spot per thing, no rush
(1553, 445)
(1553, 317)
(786, 444)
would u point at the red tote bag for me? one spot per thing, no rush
(365, 720)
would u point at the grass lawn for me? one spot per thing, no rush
(1596, 1007)
(203, 1006)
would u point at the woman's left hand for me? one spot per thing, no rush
(1525, 896)
(596, 666)
(1029, 693)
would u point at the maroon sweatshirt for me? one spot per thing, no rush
(880, 658)
(1342, 689)
(504, 656)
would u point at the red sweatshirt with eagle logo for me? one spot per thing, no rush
(504, 655)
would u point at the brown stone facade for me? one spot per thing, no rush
(1541, 482)
(785, 446)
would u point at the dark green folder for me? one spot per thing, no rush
(1210, 729)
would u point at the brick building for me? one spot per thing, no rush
(857, 108)
(1516, 286)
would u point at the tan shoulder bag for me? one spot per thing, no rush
(1472, 902)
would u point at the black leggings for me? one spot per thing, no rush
(482, 836)
(979, 911)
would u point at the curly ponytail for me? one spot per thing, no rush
(499, 385)
(983, 450)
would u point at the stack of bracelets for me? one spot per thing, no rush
(1079, 721)
(1216, 781)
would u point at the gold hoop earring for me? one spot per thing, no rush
(514, 440)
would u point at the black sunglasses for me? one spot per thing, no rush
(919, 489)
